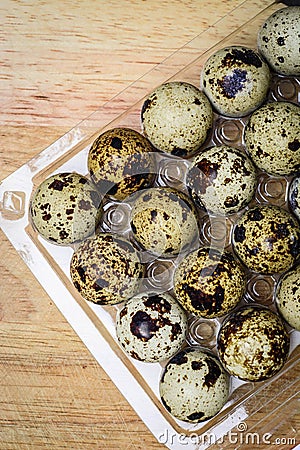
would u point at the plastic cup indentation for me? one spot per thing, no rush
(286, 89)
(260, 289)
(202, 331)
(173, 172)
(230, 131)
(274, 188)
(159, 274)
(216, 231)
(116, 217)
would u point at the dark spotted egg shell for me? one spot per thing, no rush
(253, 343)
(106, 269)
(164, 220)
(222, 180)
(120, 162)
(151, 327)
(294, 196)
(279, 40)
(194, 386)
(287, 297)
(272, 138)
(209, 283)
(267, 239)
(236, 80)
(65, 208)
(177, 118)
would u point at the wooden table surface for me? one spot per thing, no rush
(60, 61)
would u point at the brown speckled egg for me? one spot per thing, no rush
(65, 208)
(151, 327)
(209, 283)
(279, 40)
(267, 239)
(294, 196)
(106, 269)
(120, 162)
(253, 343)
(222, 180)
(176, 118)
(287, 297)
(164, 221)
(194, 386)
(272, 138)
(236, 80)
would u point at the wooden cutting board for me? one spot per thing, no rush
(60, 61)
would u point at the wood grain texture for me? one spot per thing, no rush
(60, 61)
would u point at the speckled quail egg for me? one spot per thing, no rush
(279, 40)
(272, 138)
(176, 118)
(253, 343)
(65, 208)
(209, 283)
(194, 386)
(287, 297)
(294, 196)
(236, 80)
(267, 239)
(120, 162)
(151, 327)
(106, 269)
(164, 221)
(221, 180)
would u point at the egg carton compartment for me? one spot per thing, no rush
(96, 324)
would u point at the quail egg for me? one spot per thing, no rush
(253, 343)
(65, 208)
(194, 386)
(266, 239)
(221, 180)
(120, 162)
(106, 269)
(279, 40)
(272, 138)
(151, 327)
(288, 297)
(294, 196)
(209, 283)
(176, 118)
(164, 221)
(236, 80)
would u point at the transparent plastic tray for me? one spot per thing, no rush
(95, 325)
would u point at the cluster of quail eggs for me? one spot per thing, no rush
(110, 268)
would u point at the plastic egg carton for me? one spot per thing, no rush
(95, 324)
